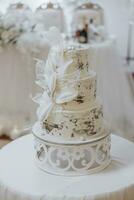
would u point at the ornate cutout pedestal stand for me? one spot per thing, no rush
(72, 158)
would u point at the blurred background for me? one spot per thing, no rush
(117, 15)
(106, 26)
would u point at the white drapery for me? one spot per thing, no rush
(113, 88)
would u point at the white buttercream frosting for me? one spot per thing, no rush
(68, 107)
(75, 124)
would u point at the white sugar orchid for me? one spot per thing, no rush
(47, 101)
(45, 107)
(49, 74)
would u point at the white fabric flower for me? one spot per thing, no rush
(45, 105)
(49, 74)
(51, 96)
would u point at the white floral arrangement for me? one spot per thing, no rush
(8, 35)
(14, 23)
(20, 26)
(33, 40)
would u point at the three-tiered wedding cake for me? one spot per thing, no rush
(71, 136)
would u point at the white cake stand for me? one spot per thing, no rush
(72, 158)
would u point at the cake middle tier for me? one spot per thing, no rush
(80, 124)
(85, 89)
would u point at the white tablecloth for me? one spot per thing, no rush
(21, 180)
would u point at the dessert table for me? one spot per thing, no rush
(21, 180)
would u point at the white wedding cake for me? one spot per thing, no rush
(71, 135)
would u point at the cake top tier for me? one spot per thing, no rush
(75, 55)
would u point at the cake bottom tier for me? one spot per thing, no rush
(75, 125)
(73, 159)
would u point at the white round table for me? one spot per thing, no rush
(21, 180)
